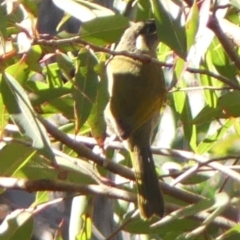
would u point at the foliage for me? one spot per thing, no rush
(63, 79)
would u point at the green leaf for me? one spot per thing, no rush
(3, 20)
(230, 103)
(231, 234)
(17, 225)
(35, 169)
(33, 56)
(143, 10)
(13, 157)
(192, 25)
(83, 172)
(221, 202)
(42, 93)
(63, 104)
(31, 7)
(180, 96)
(53, 74)
(19, 71)
(80, 222)
(180, 67)
(83, 10)
(85, 86)
(181, 101)
(41, 197)
(211, 140)
(186, 211)
(96, 119)
(196, 178)
(210, 96)
(3, 116)
(137, 226)
(105, 30)
(65, 63)
(235, 3)
(22, 113)
(208, 114)
(174, 33)
(189, 128)
(221, 61)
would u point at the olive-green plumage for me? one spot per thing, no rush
(137, 93)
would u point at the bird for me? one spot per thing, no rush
(137, 94)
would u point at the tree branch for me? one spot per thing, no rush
(139, 57)
(86, 153)
(57, 185)
(177, 193)
(214, 25)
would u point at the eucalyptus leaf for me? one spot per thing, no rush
(17, 225)
(82, 10)
(22, 113)
(168, 19)
(104, 30)
(13, 157)
(86, 84)
(230, 103)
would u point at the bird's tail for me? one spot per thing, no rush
(150, 199)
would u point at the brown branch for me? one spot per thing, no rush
(231, 30)
(74, 142)
(214, 25)
(139, 57)
(86, 153)
(221, 78)
(201, 160)
(174, 192)
(221, 7)
(78, 40)
(57, 185)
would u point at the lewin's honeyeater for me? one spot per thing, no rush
(137, 93)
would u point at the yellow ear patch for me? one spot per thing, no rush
(141, 44)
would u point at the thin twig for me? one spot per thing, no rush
(139, 57)
(174, 192)
(202, 216)
(86, 153)
(57, 185)
(202, 160)
(200, 88)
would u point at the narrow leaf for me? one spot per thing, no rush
(230, 103)
(210, 140)
(96, 119)
(16, 225)
(86, 85)
(104, 30)
(192, 25)
(169, 27)
(22, 113)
